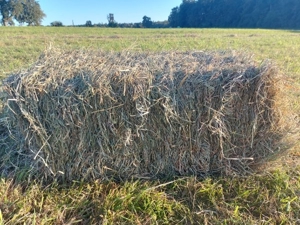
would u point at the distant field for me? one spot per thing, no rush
(20, 46)
(266, 198)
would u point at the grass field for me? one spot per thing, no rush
(269, 196)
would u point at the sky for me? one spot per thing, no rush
(125, 11)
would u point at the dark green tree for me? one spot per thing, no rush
(6, 10)
(113, 24)
(137, 25)
(56, 24)
(278, 14)
(174, 17)
(88, 23)
(147, 23)
(23, 11)
(111, 21)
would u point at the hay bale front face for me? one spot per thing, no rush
(96, 114)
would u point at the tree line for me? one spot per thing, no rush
(281, 14)
(30, 12)
(146, 23)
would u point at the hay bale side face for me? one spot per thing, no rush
(97, 114)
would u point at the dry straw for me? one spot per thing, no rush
(94, 114)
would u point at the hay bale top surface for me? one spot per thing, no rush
(55, 66)
(91, 114)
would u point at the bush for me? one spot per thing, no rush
(57, 24)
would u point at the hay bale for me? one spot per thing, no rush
(95, 114)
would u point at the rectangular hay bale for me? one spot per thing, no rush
(95, 114)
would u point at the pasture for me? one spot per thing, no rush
(268, 196)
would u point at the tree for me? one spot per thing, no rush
(113, 24)
(137, 25)
(147, 22)
(111, 21)
(31, 13)
(23, 11)
(174, 17)
(56, 24)
(88, 23)
(6, 10)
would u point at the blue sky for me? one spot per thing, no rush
(124, 11)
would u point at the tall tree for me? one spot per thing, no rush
(88, 23)
(147, 23)
(23, 11)
(111, 21)
(174, 17)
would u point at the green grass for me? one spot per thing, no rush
(268, 197)
(21, 46)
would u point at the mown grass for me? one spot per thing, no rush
(20, 46)
(267, 197)
(270, 198)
